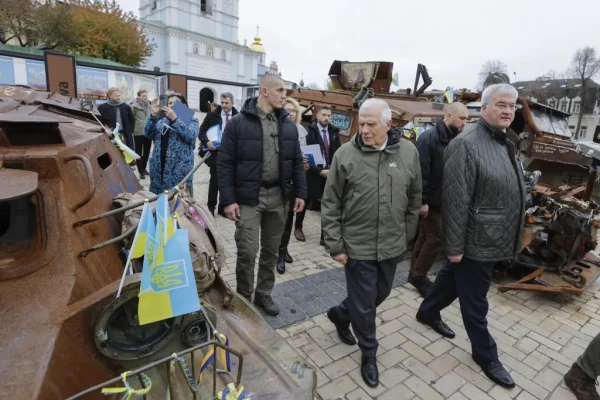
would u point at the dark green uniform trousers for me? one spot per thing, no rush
(589, 361)
(268, 219)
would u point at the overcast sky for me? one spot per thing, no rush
(452, 38)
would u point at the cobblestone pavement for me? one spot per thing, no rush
(538, 336)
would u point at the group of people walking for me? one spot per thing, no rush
(461, 194)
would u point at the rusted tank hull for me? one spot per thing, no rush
(267, 366)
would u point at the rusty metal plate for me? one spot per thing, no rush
(17, 117)
(560, 154)
(17, 183)
(27, 96)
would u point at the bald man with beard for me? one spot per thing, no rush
(431, 145)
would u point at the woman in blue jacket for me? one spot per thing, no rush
(173, 153)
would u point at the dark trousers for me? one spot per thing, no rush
(428, 245)
(213, 185)
(287, 231)
(142, 148)
(369, 283)
(469, 281)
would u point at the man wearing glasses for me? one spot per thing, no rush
(483, 207)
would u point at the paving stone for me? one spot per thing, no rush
(419, 369)
(439, 347)
(527, 345)
(335, 389)
(473, 392)
(393, 357)
(537, 360)
(358, 394)
(561, 337)
(500, 393)
(448, 384)
(415, 337)
(548, 379)
(422, 389)
(562, 394)
(443, 364)
(390, 327)
(417, 352)
(299, 340)
(518, 366)
(316, 354)
(399, 392)
(393, 340)
(357, 378)
(474, 378)
(393, 376)
(526, 396)
(339, 367)
(529, 385)
(458, 396)
(340, 350)
(546, 342)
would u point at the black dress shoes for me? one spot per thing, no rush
(497, 374)
(288, 257)
(343, 330)
(369, 371)
(280, 266)
(437, 325)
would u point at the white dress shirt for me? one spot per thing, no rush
(224, 119)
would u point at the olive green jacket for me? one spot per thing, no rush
(370, 208)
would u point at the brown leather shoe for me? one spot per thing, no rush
(582, 386)
(299, 235)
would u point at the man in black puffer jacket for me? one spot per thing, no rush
(483, 210)
(431, 145)
(259, 161)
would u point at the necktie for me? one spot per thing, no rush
(326, 145)
(226, 118)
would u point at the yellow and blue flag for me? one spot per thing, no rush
(449, 93)
(395, 80)
(168, 284)
(139, 241)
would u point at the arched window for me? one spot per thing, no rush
(207, 96)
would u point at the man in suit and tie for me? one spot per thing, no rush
(221, 116)
(321, 132)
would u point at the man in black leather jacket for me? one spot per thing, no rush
(431, 145)
(483, 208)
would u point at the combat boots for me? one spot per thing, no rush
(582, 386)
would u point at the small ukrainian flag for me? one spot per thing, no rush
(395, 80)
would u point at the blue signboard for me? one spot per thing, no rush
(341, 121)
(36, 74)
(7, 71)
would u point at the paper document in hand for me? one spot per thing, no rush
(214, 134)
(315, 149)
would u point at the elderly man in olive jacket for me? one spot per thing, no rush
(370, 211)
(483, 209)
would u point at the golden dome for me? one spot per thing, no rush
(257, 45)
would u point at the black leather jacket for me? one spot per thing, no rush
(483, 201)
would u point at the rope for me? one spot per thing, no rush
(128, 391)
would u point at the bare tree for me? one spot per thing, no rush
(488, 68)
(313, 86)
(584, 66)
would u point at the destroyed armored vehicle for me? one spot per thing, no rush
(69, 205)
(557, 248)
(354, 82)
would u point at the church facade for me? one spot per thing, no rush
(199, 38)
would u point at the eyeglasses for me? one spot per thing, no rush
(291, 111)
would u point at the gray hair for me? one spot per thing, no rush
(386, 112)
(498, 88)
(227, 95)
